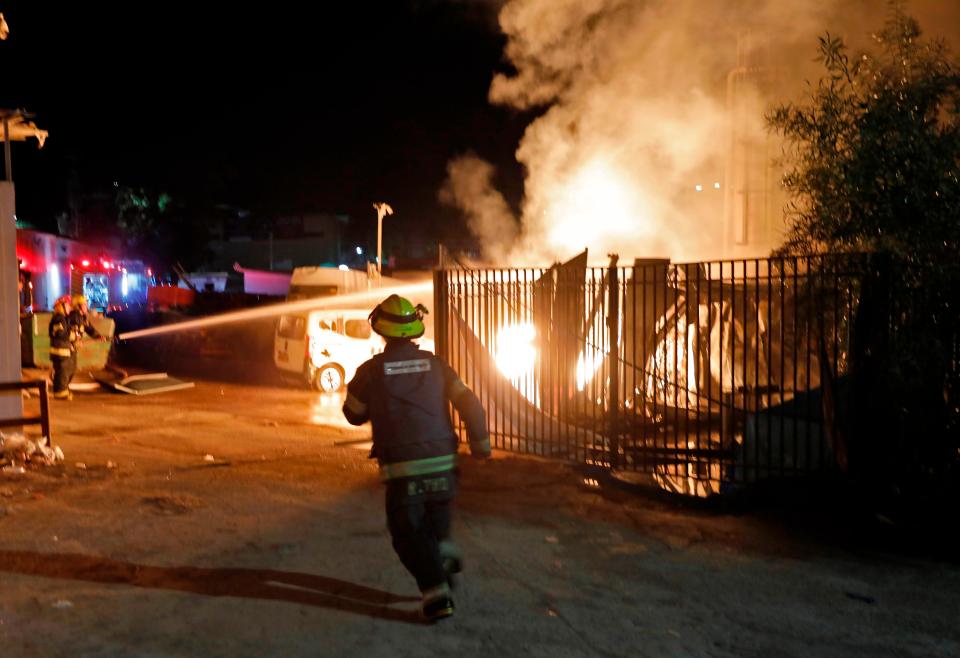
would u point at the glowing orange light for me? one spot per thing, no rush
(515, 353)
(596, 204)
(516, 357)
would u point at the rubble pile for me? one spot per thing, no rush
(16, 451)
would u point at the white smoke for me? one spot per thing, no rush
(637, 116)
(470, 186)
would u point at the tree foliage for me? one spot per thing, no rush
(141, 216)
(873, 156)
(873, 166)
(160, 229)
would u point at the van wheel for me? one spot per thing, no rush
(328, 379)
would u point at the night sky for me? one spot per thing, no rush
(274, 109)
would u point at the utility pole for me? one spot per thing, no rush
(382, 209)
(14, 127)
(10, 406)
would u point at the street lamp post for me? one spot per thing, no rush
(382, 210)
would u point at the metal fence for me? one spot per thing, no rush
(692, 376)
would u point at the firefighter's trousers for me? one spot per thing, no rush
(418, 517)
(64, 368)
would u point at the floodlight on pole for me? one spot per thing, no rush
(382, 210)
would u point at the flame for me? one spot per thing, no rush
(516, 357)
(587, 365)
(515, 354)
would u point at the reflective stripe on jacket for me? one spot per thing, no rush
(416, 467)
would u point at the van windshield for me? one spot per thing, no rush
(357, 329)
(303, 291)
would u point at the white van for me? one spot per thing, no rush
(325, 347)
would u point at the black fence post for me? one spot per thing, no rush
(440, 313)
(613, 388)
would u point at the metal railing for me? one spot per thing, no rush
(693, 376)
(43, 419)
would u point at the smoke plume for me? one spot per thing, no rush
(649, 106)
(470, 186)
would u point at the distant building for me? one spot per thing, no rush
(281, 243)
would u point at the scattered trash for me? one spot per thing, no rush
(209, 458)
(81, 466)
(16, 450)
(62, 604)
(270, 423)
(551, 539)
(111, 464)
(551, 612)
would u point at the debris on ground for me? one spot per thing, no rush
(17, 450)
(85, 387)
(145, 383)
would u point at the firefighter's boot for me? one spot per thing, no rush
(437, 604)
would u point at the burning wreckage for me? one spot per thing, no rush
(692, 377)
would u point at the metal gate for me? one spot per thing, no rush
(692, 376)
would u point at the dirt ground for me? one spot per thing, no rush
(225, 520)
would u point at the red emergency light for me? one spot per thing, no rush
(85, 262)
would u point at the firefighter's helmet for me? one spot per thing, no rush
(62, 303)
(397, 317)
(78, 299)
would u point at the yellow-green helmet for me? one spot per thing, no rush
(78, 299)
(397, 317)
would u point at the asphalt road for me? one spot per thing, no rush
(245, 520)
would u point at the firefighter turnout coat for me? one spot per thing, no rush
(80, 324)
(61, 335)
(404, 393)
